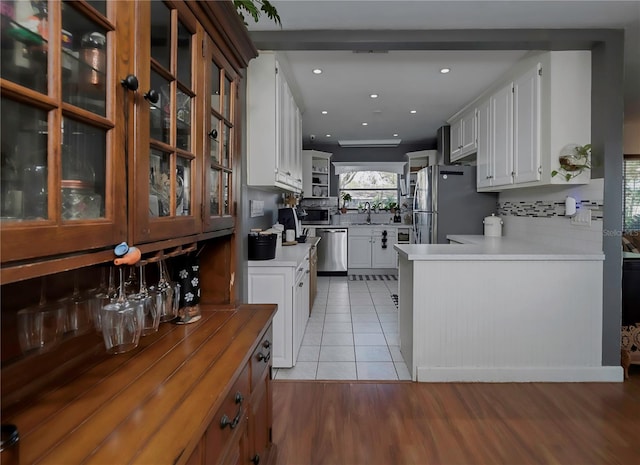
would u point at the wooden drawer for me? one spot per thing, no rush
(261, 358)
(228, 420)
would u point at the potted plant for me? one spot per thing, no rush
(346, 197)
(393, 206)
(255, 8)
(573, 159)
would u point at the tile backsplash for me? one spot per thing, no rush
(538, 215)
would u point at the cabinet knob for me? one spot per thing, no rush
(213, 134)
(152, 96)
(266, 344)
(263, 358)
(301, 284)
(130, 82)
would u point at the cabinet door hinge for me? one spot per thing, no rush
(276, 70)
(540, 72)
(270, 434)
(540, 169)
(203, 55)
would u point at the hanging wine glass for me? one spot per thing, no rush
(78, 314)
(121, 326)
(131, 284)
(40, 327)
(165, 290)
(102, 296)
(147, 299)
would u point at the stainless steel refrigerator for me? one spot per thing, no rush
(446, 202)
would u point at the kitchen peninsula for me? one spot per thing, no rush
(495, 309)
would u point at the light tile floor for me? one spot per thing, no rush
(352, 334)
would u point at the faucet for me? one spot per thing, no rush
(367, 205)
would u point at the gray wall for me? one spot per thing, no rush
(607, 112)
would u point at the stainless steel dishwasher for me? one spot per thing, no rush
(332, 251)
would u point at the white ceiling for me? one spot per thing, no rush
(410, 80)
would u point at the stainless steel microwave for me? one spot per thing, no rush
(317, 215)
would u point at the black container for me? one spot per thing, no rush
(262, 246)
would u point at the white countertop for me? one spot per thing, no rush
(288, 255)
(357, 225)
(491, 248)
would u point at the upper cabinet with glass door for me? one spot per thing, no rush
(220, 139)
(167, 181)
(61, 170)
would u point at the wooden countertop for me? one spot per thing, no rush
(150, 405)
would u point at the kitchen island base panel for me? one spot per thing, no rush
(518, 375)
(514, 320)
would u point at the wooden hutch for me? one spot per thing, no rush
(120, 122)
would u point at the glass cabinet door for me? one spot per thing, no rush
(168, 192)
(219, 140)
(58, 189)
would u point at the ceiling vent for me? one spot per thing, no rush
(370, 143)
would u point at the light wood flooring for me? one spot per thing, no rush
(394, 423)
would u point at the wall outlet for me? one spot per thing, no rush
(582, 217)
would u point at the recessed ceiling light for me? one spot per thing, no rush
(328, 135)
(317, 71)
(324, 112)
(373, 95)
(365, 124)
(413, 112)
(395, 135)
(445, 70)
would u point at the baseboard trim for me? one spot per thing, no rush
(520, 375)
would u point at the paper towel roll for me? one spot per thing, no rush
(570, 206)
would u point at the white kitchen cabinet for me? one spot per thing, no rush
(463, 135)
(359, 250)
(300, 308)
(274, 127)
(365, 248)
(501, 135)
(288, 287)
(526, 126)
(415, 162)
(385, 257)
(542, 106)
(316, 173)
(484, 158)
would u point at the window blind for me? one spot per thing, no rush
(631, 194)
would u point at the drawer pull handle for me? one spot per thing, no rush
(224, 421)
(263, 358)
(255, 459)
(266, 344)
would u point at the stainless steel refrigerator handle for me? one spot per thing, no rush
(334, 231)
(415, 200)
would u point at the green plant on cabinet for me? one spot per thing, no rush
(574, 159)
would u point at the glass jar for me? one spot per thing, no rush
(79, 201)
(93, 58)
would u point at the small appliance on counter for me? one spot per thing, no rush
(289, 219)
